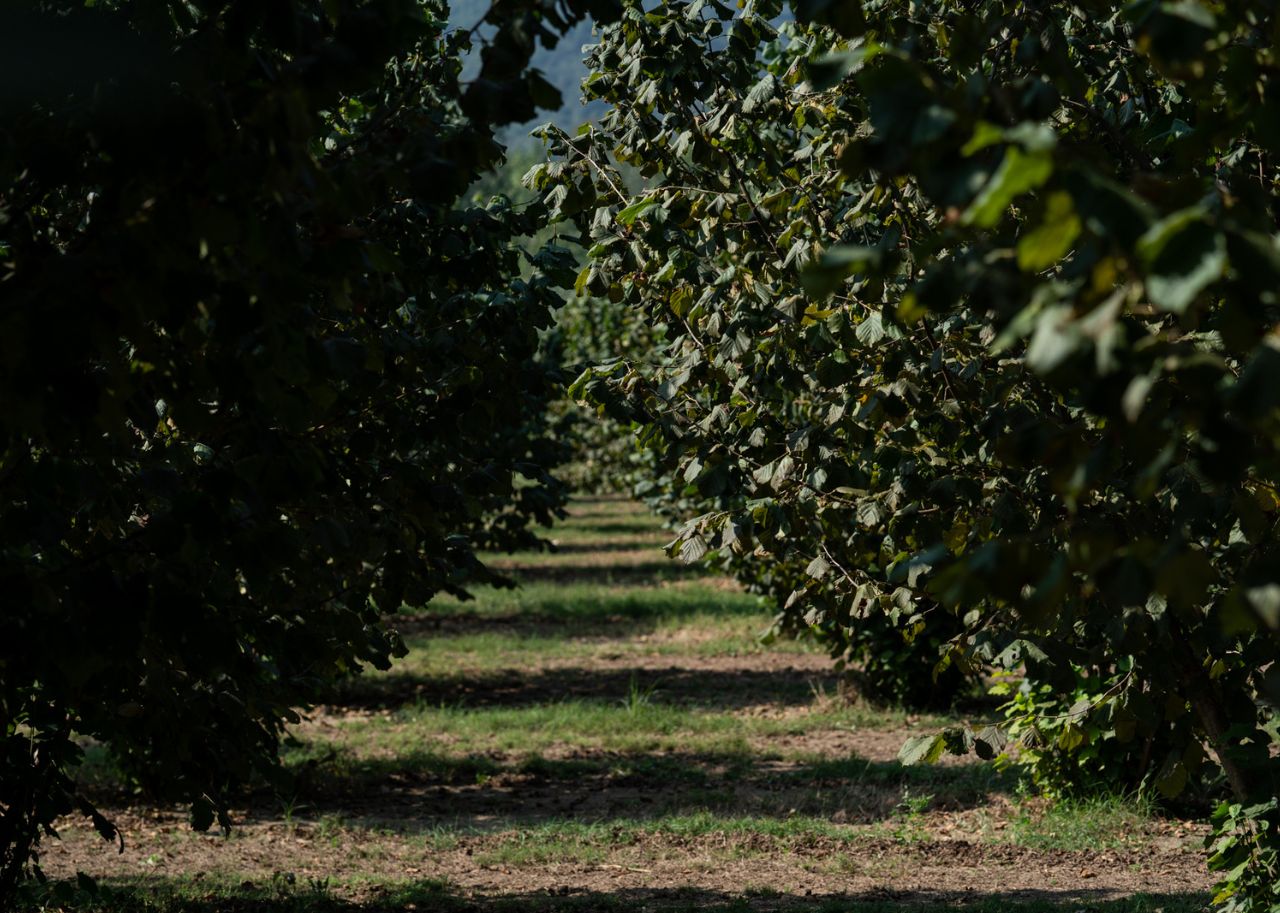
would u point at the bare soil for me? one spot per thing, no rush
(719, 863)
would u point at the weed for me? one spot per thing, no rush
(639, 698)
(289, 810)
(1101, 822)
(913, 806)
(909, 817)
(331, 827)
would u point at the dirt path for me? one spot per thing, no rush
(623, 740)
(720, 863)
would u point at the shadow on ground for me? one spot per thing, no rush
(783, 684)
(591, 612)
(423, 791)
(638, 573)
(280, 896)
(614, 525)
(641, 544)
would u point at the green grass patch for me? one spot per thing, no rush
(602, 554)
(590, 842)
(628, 724)
(1096, 823)
(701, 633)
(597, 602)
(588, 528)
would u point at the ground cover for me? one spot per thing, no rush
(615, 734)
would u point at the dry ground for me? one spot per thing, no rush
(615, 735)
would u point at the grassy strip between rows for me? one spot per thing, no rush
(633, 723)
(673, 770)
(604, 603)
(702, 634)
(493, 690)
(1087, 825)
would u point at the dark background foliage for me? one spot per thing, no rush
(267, 374)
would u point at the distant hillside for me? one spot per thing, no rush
(562, 66)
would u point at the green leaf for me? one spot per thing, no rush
(1018, 173)
(871, 329)
(544, 94)
(693, 549)
(760, 93)
(1265, 601)
(831, 69)
(818, 568)
(1046, 244)
(86, 883)
(985, 134)
(202, 815)
(922, 749)
(988, 743)
(1056, 338)
(629, 215)
(822, 277)
(1183, 255)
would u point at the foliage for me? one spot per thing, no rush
(605, 457)
(972, 311)
(560, 63)
(266, 375)
(1082, 742)
(1243, 848)
(883, 662)
(590, 330)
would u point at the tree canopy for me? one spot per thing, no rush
(267, 374)
(950, 325)
(970, 312)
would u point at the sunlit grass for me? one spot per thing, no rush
(1097, 822)
(607, 668)
(599, 602)
(596, 725)
(586, 842)
(700, 634)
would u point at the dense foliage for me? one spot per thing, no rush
(883, 662)
(1079, 742)
(972, 311)
(266, 373)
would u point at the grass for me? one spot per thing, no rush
(598, 602)
(635, 701)
(634, 525)
(735, 765)
(699, 631)
(590, 842)
(596, 725)
(1097, 822)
